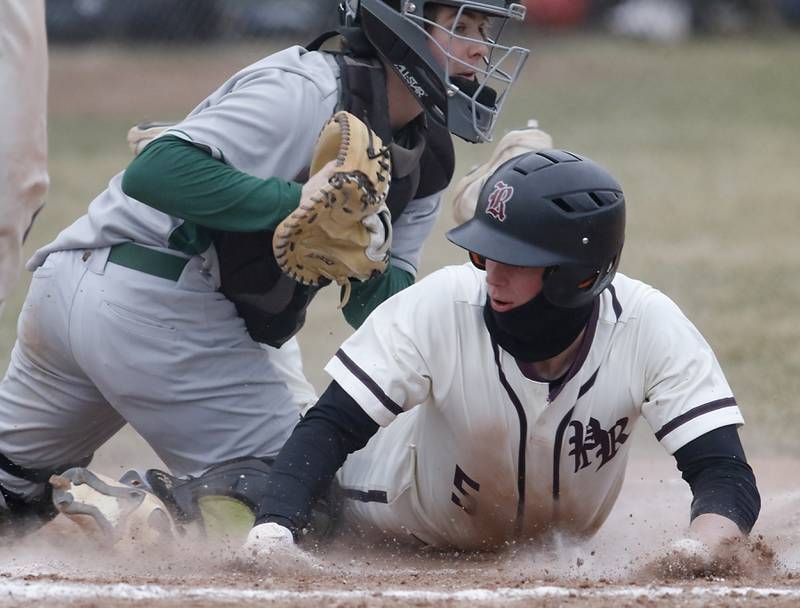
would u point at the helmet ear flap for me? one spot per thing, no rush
(575, 285)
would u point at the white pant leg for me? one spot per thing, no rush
(23, 129)
(50, 412)
(379, 485)
(176, 361)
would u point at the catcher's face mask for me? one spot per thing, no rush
(478, 71)
(451, 60)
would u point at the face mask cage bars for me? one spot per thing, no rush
(501, 65)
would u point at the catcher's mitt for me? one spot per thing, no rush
(343, 231)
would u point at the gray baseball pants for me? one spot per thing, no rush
(100, 344)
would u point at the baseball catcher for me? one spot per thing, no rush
(190, 274)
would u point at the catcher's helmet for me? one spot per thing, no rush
(552, 209)
(397, 30)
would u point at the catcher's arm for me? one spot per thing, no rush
(171, 169)
(165, 176)
(367, 295)
(409, 232)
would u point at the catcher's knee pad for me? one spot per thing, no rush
(20, 515)
(221, 502)
(112, 511)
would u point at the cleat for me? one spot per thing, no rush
(111, 511)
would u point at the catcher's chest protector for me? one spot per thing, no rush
(423, 159)
(272, 304)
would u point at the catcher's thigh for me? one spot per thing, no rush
(100, 344)
(175, 360)
(51, 414)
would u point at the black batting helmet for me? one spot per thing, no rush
(400, 31)
(552, 209)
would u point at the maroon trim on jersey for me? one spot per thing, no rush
(588, 384)
(523, 439)
(369, 383)
(583, 351)
(559, 440)
(693, 413)
(365, 496)
(562, 428)
(615, 302)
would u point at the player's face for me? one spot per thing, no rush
(512, 286)
(467, 53)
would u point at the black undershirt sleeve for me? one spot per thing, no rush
(335, 427)
(722, 482)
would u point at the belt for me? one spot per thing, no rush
(149, 261)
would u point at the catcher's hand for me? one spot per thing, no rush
(142, 134)
(516, 142)
(342, 230)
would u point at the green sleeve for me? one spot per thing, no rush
(366, 296)
(180, 179)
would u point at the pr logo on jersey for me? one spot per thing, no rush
(593, 439)
(498, 199)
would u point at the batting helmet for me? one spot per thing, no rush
(551, 209)
(400, 31)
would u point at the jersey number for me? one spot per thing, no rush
(463, 499)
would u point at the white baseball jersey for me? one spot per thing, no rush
(23, 124)
(474, 453)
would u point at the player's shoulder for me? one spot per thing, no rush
(629, 299)
(459, 284)
(296, 62)
(440, 293)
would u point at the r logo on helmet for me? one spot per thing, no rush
(501, 194)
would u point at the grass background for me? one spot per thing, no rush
(702, 136)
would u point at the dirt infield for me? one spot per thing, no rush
(59, 564)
